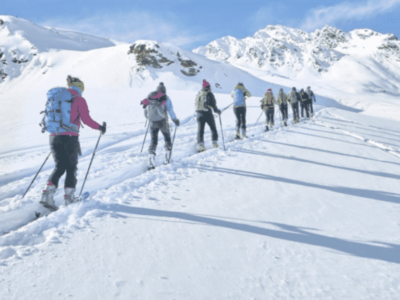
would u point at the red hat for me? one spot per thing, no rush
(205, 83)
(269, 90)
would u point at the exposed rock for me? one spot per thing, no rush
(148, 57)
(1, 22)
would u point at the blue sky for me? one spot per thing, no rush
(189, 24)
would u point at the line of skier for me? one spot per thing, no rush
(66, 109)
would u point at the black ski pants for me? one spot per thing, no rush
(240, 113)
(270, 114)
(302, 106)
(311, 106)
(284, 111)
(306, 106)
(155, 127)
(295, 109)
(65, 150)
(204, 117)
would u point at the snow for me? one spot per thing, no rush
(308, 211)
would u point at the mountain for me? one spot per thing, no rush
(35, 55)
(22, 40)
(328, 53)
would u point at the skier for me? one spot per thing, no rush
(294, 101)
(305, 103)
(156, 107)
(239, 95)
(65, 145)
(282, 100)
(204, 101)
(311, 95)
(267, 104)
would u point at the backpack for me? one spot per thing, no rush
(239, 97)
(57, 115)
(156, 110)
(200, 102)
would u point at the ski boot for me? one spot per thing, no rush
(201, 148)
(237, 136)
(272, 125)
(285, 123)
(167, 156)
(48, 197)
(266, 128)
(69, 196)
(244, 136)
(151, 164)
(215, 144)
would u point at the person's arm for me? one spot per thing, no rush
(211, 102)
(85, 116)
(170, 109)
(248, 94)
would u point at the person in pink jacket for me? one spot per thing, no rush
(65, 148)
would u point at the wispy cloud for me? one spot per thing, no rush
(346, 11)
(131, 26)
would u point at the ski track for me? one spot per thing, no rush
(376, 144)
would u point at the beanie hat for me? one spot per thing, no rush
(293, 88)
(269, 90)
(73, 81)
(205, 83)
(161, 88)
(281, 90)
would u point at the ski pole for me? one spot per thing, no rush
(145, 136)
(172, 146)
(145, 123)
(222, 131)
(94, 152)
(258, 118)
(224, 109)
(36, 175)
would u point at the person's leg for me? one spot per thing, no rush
(238, 121)
(59, 156)
(73, 150)
(154, 128)
(167, 138)
(243, 115)
(211, 123)
(200, 128)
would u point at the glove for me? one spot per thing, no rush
(103, 128)
(315, 100)
(176, 121)
(262, 106)
(218, 111)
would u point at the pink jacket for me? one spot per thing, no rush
(80, 111)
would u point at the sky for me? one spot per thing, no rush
(190, 24)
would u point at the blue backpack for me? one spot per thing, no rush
(239, 95)
(57, 115)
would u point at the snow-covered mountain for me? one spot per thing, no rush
(34, 55)
(22, 40)
(328, 53)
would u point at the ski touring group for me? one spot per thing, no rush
(66, 109)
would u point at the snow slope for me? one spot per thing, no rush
(309, 211)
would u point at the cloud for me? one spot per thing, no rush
(130, 27)
(346, 11)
